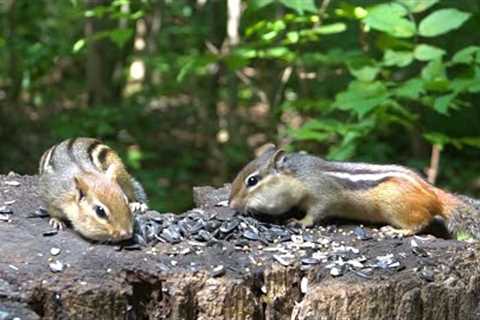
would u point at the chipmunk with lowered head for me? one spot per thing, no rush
(277, 182)
(85, 182)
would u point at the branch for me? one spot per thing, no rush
(432, 171)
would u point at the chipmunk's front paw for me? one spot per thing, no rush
(138, 207)
(56, 224)
(307, 221)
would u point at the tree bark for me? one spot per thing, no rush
(166, 282)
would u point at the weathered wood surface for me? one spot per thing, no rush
(168, 282)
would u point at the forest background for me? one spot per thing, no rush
(185, 90)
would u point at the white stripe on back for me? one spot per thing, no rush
(95, 153)
(48, 156)
(372, 176)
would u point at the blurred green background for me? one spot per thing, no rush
(186, 90)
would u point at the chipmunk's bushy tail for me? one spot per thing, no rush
(464, 217)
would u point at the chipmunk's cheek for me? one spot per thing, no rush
(263, 205)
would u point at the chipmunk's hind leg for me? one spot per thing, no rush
(409, 224)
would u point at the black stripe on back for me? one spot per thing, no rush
(359, 185)
(52, 163)
(102, 155)
(90, 149)
(70, 153)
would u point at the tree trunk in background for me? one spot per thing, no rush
(105, 60)
(14, 70)
(233, 38)
(154, 24)
(209, 92)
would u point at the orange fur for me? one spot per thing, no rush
(404, 204)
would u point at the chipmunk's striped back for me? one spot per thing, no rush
(86, 154)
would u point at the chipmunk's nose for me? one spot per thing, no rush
(233, 204)
(123, 234)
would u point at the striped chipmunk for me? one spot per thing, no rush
(84, 182)
(276, 182)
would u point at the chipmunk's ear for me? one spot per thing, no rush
(276, 161)
(264, 149)
(112, 171)
(81, 187)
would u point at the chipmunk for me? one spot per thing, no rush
(85, 182)
(276, 182)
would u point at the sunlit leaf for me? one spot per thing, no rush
(463, 236)
(78, 45)
(363, 68)
(362, 97)
(390, 18)
(442, 21)
(331, 28)
(411, 89)
(416, 6)
(437, 138)
(425, 52)
(466, 55)
(397, 58)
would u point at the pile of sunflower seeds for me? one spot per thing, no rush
(284, 244)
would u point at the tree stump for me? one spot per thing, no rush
(330, 272)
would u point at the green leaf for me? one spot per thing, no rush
(331, 28)
(437, 138)
(425, 52)
(416, 6)
(442, 21)
(443, 103)
(121, 36)
(389, 18)
(300, 5)
(78, 45)
(257, 4)
(342, 152)
(435, 76)
(397, 58)
(364, 73)
(363, 68)
(293, 36)
(362, 97)
(434, 71)
(411, 89)
(463, 236)
(471, 141)
(306, 134)
(466, 55)
(277, 53)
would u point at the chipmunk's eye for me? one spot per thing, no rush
(251, 181)
(100, 212)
